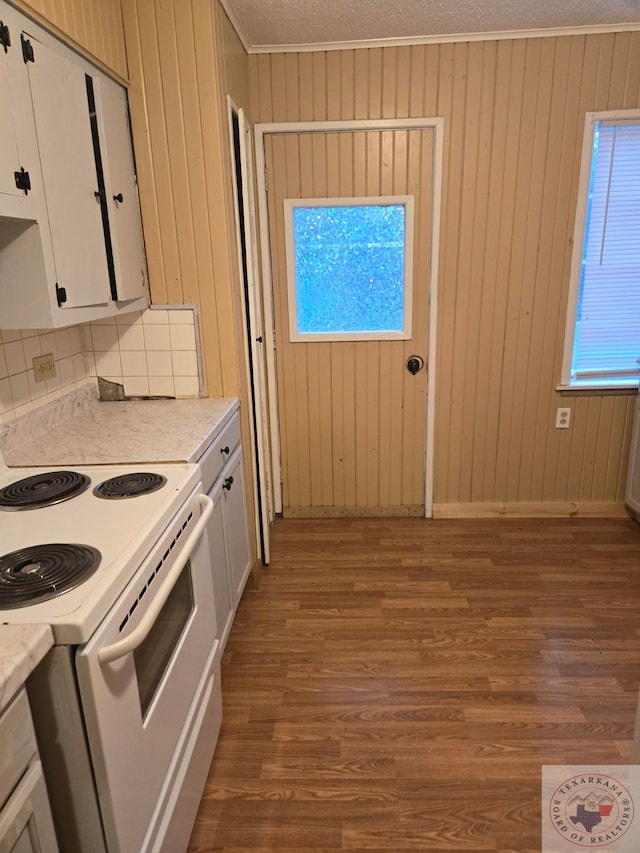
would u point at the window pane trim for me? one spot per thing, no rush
(595, 376)
(290, 205)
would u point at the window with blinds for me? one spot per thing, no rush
(606, 331)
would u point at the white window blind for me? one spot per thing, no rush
(607, 331)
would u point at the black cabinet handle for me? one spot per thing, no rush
(119, 198)
(224, 449)
(228, 483)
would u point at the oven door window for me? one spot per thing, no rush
(153, 656)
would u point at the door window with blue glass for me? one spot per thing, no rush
(349, 268)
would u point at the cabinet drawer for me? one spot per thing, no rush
(214, 460)
(19, 743)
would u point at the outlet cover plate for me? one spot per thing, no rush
(44, 367)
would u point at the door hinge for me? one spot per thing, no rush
(27, 49)
(23, 181)
(5, 38)
(61, 295)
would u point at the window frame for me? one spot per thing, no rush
(597, 383)
(404, 334)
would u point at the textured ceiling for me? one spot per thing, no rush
(285, 23)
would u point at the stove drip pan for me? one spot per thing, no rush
(41, 490)
(129, 485)
(41, 572)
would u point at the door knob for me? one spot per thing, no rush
(414, 364)
(119, 198)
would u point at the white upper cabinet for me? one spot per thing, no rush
(121, 190)
(9, 159)
(59, 97)
(18, 147)
(71, 247)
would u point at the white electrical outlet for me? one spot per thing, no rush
(563, 418)
(44, 367)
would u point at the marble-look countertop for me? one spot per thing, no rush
(134, 431)
(22, 647)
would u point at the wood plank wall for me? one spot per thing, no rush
(514, 113)
(184, 58)
(93, 26)
(177, 59)
(514, 127)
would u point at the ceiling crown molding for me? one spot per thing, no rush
(237, 25)
(448, 38)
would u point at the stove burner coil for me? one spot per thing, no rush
(41, 572)
(129, 485)
(42, 490)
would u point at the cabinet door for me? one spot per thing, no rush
(121, 190)
(236, 528)
(9, 160)
(60, 105)
(219, 569)
(25, 821)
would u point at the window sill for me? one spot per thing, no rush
(599, 388)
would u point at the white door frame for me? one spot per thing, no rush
(261, 130)
(262, 488)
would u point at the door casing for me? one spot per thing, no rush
(252, 323)
(263, 129)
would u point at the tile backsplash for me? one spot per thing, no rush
(151, 353)
(19, 392)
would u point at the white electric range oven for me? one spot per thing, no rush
(127, 704)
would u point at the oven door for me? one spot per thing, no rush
(145, 677)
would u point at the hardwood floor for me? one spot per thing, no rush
(396, 684)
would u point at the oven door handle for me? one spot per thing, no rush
(131, 642)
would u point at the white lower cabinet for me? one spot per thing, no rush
(26, 825)
(236, 530)
(219, 568)
(228, 530)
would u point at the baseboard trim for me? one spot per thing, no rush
(532, 509)
(416, 511)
